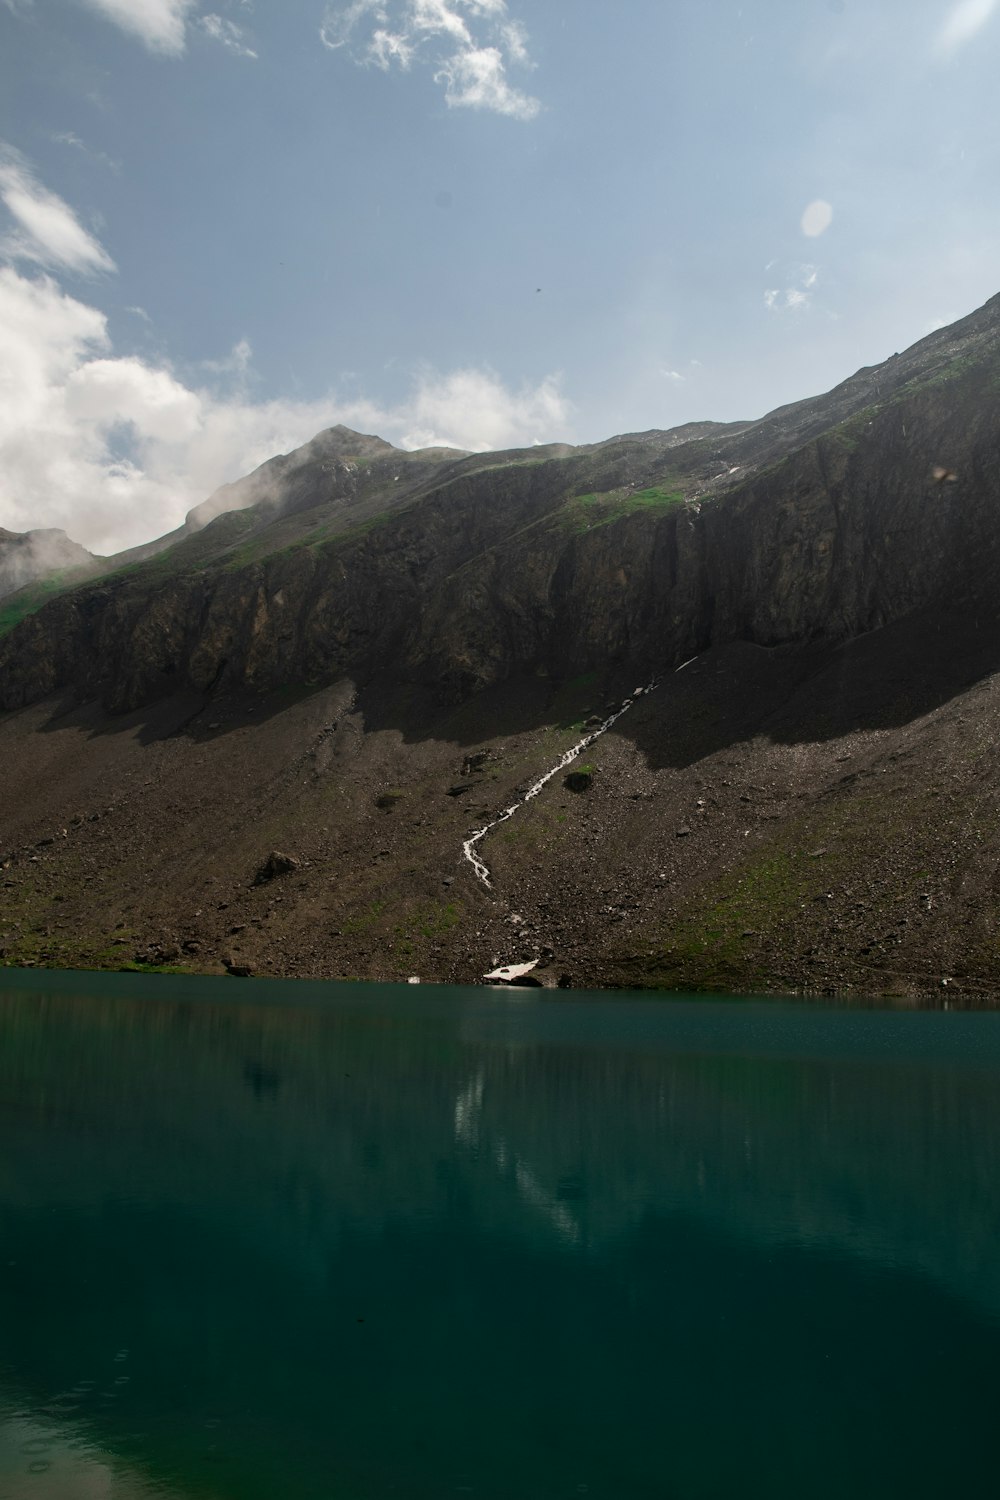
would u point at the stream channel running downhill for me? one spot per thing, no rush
(566, 759)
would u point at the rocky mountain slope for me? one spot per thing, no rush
(377, 652)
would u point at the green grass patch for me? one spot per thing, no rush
(432, 919)
(407, 926)
(26, 601)
(366, 920)
(713, 941)
(585, 512)
(654, 498)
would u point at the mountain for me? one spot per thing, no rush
(30, 558)
(358, 656)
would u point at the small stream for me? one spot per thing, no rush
(469, 846)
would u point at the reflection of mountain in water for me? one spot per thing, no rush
(307, 1223)
(342, 1116)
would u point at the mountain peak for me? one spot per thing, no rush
(28, 556)
(346, 440)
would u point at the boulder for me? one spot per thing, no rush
(274, 865)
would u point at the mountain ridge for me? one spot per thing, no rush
(373, 657)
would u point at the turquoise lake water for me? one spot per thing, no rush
(333, 1242)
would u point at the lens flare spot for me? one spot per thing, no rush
(817, 218)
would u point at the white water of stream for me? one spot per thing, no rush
(469, 846)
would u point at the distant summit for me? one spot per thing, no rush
(30, 556)
(335, 463)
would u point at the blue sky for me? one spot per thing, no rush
(488, 222)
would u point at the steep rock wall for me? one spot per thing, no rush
(498, 570)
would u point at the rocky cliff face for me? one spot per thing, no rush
(823, 520)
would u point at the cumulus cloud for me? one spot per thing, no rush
(474, 409)
(116, 450)
(470, 44)
(159, 24)
(45, 229)
(228, 33)
(962, 23)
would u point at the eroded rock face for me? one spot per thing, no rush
(823, 520)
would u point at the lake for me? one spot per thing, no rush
(332, 1242)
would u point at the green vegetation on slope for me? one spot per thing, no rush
(25, 601)
(584, 512)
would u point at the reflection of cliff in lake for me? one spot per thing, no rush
(303, 1220)
(317, 1120)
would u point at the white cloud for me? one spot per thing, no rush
(70, 138)
(109, 393)
(816, 218)
(339, 23)
(74, 408)
(962, 23)
(469, 43)
(387, 47)
(157, 23)
(797, 296)
(116, 450)
(791, 298)
(228, 33)
(437, 17)
(236, 363)
(474, 409)
(516, 43)
(46, 229)
(475, 76)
